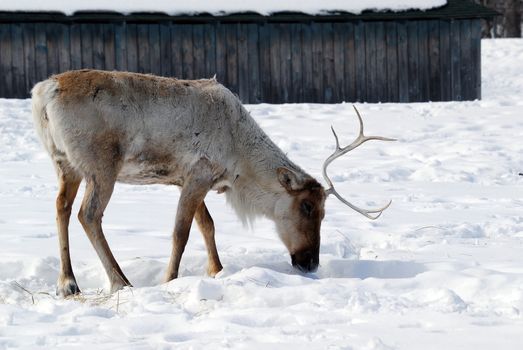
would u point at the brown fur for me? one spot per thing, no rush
(97, 194)
(158, 167)
(68, 188)
(206, 226)
(191, 199)
(109, 150)
(81, 84)
(314, 194)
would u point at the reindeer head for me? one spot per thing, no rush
(299, 213)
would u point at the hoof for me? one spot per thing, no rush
(67, 287)
(169, 277)
(213, 270)
(115, 287)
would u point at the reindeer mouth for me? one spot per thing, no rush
(305, 261)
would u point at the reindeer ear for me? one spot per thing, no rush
(289, 179)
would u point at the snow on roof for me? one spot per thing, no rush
(215, 7)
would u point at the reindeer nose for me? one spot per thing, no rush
(305, 260)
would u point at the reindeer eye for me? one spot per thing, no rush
(306, 208)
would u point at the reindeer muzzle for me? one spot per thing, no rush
(306, 260)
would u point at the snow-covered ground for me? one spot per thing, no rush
(217, 7)
(441, 269)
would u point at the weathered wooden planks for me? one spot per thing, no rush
(285, 62)
(381, 62)
(455, 61)
(391, 82)
(423, 60)
(296, 47)
(75, 46)
(6, 64)
(476, 58)
(209, 38)
(308, 61)
(231, 48)
(330, 90)
(253, 64)
(435, 78)
(403, 62)
(143, 47)
(120, 46)
(371, 68)
(28, 37)
(318, 94)
(349, 60)
(155, 56)
(17, 55)
(98, 47)
(466, 70)
(360, 62)
(165, 50)
(274, 93)
(131, 34)
(198, 44)
(243, 62)
(176, 50)
(445, 71)
(339, 61)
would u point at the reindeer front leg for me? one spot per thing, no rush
(195, 187)
(206, 225)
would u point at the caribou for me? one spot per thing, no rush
(106, 127)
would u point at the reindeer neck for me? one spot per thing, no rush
(255, 186)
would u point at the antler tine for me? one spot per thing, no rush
(341, 151)
(359, 119)
(336, 138)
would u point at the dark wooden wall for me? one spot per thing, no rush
(324, 62)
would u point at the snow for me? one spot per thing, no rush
(173, 7)
(441, 269)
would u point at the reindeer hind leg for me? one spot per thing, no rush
(68, 183)
(99, 189)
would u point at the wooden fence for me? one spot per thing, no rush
(324, 62)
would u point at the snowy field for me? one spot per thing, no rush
(441, 269)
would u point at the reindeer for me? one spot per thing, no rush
(107, 127)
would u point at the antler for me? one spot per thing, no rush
(341, 151)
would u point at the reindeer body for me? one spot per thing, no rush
(156, 128)
(105, 127)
